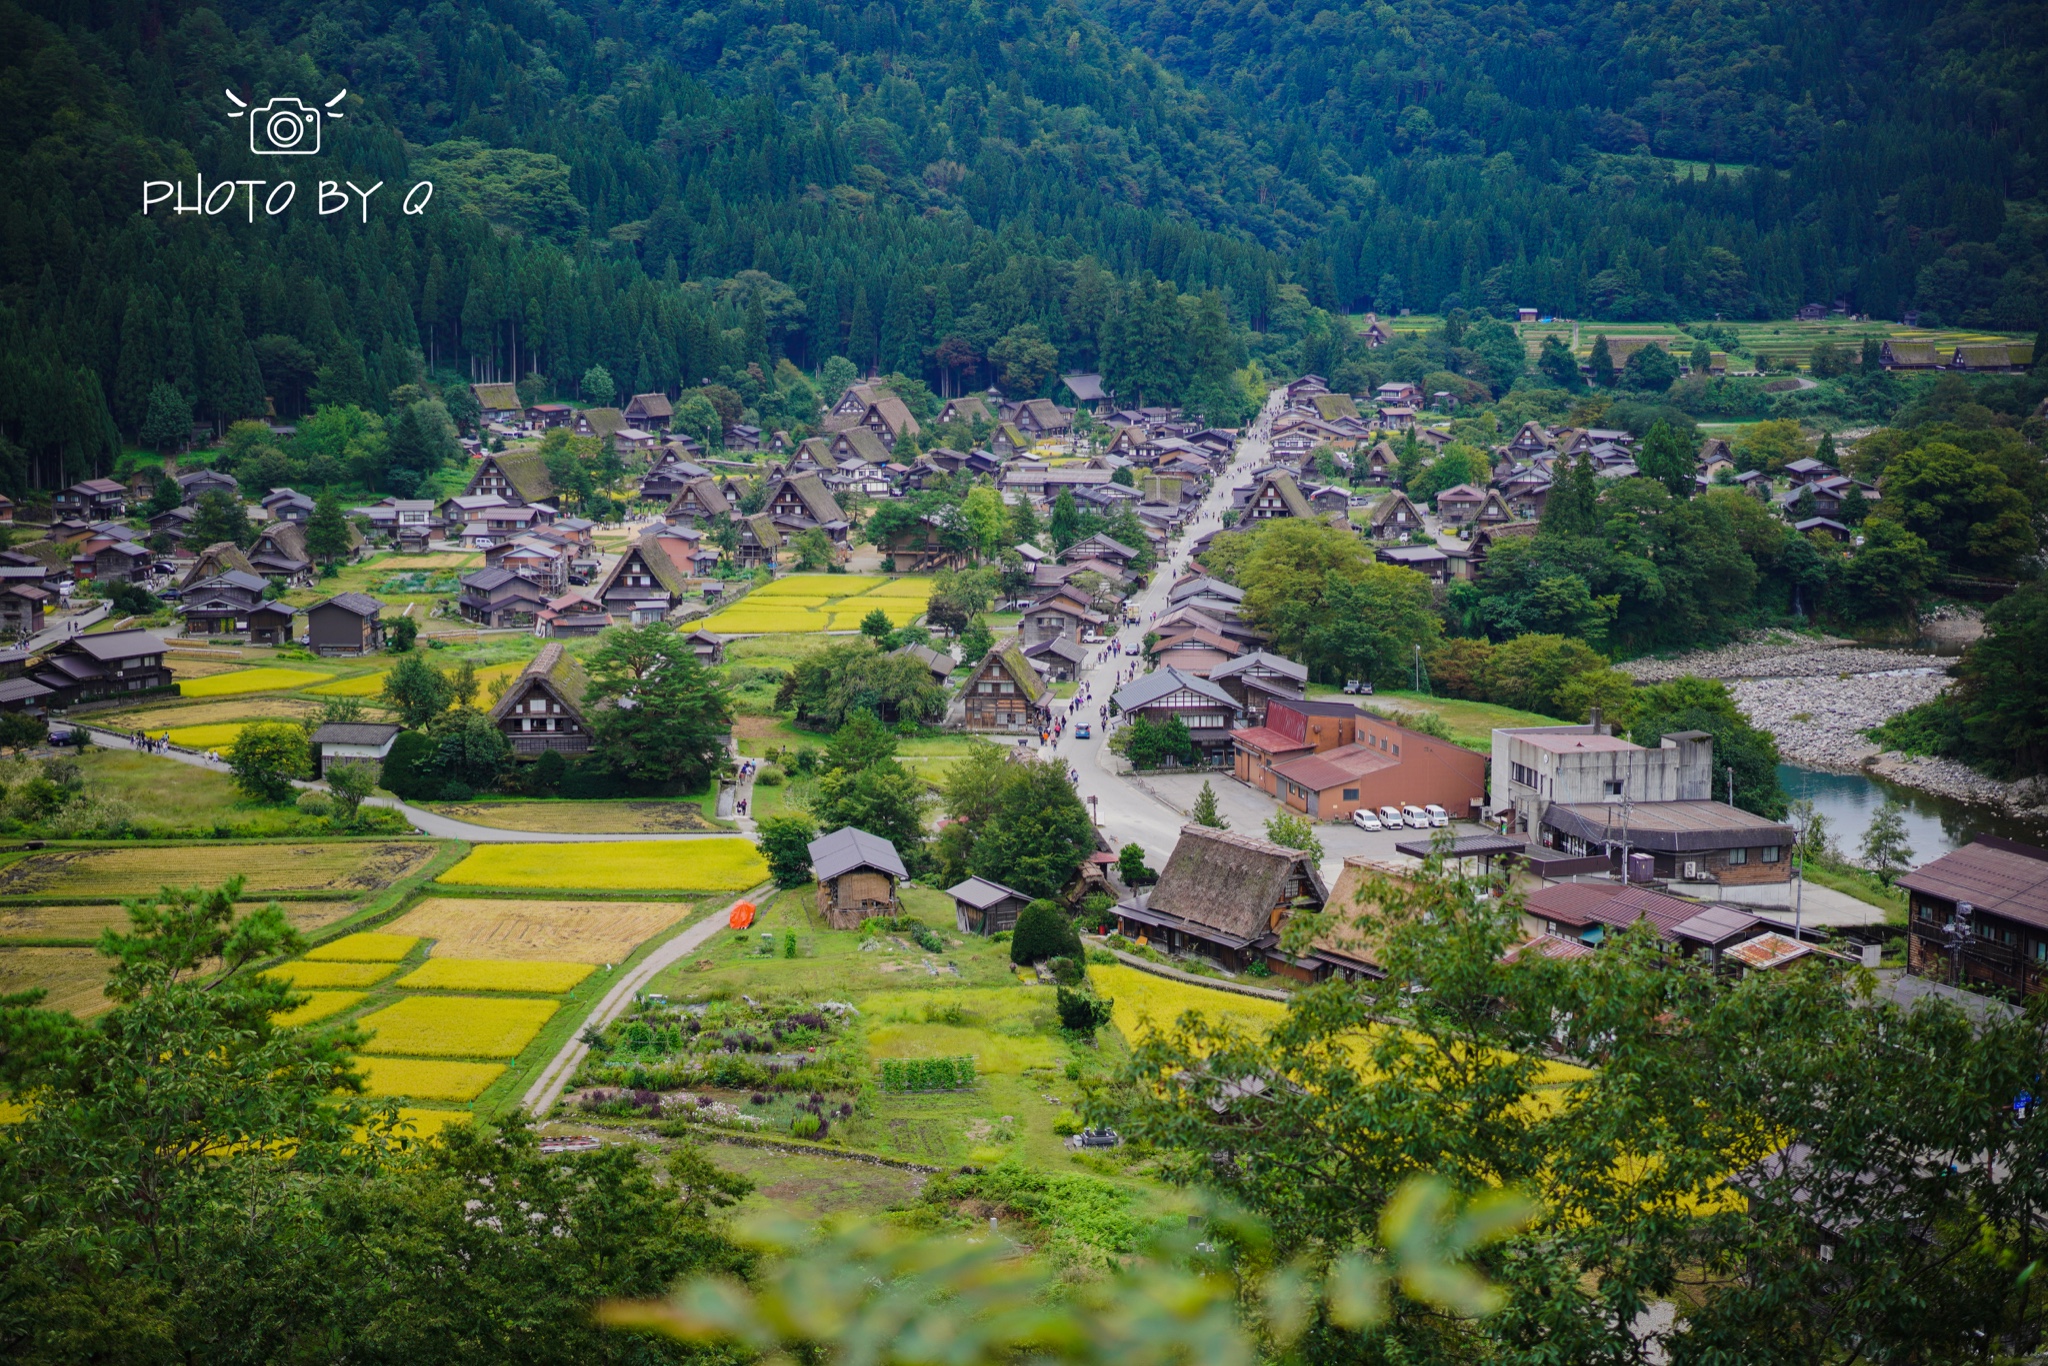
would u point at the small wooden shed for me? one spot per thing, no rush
(857, 875)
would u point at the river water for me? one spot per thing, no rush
(1934, 825)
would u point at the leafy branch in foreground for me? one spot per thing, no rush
(863, 1295)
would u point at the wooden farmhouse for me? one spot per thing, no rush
(543, 709)
(1224, 895)
(1004, 692)
(857, 875)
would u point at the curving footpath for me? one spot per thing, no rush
(547, 1087)
(441, 827)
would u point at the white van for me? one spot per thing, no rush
(1364, 819)
(1437, 815)
(1390, 817)
(1416, 817)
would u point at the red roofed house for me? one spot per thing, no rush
(1293, 728)
(1388, 765)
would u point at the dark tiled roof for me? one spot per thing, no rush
(362, 604)
(848, 848)
(2001, 876)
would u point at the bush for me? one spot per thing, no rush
(805, 1125)
(786, 844)
(406, 772)
(266, 757)
(1066, 971)
(1081, 1012)
(768, 775)
(1043, 931)
(315, 803)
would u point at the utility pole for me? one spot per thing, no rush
(1958, 931)
(1418, 668)
(1731, 784)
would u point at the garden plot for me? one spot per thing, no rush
(84, 923)
(336, 867)
(74, 978)
(707, 865)
(539, 931)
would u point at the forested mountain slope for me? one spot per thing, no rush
(677, 191)
(1499, 138)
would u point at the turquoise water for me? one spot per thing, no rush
(1934, 825)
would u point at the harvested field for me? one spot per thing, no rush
(486, 974)
(372, 684)
(320, 1005)
(264, 868)
(86, 922)
(458, 1026)
(184, 666)
(708, 865)
(422, 1079)
(591, 818)
(539, 931)
(267, 679)
(72, 977)
(156, 720)
(368, 947)
(305, 975)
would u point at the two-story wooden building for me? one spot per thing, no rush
(1209, 713)
(1004, 692)
(89, 667)
(345, 624)
(1978, 916)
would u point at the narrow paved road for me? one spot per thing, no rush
(555, 1076)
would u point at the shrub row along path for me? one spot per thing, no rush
(548, 1086)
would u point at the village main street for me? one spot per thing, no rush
(1150, 810)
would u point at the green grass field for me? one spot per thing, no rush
(1471, 723)
(968, 999)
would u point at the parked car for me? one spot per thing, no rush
(1415, 817)
(1390, 817)
(1437, 815)
(1365, 819)
(1081, 732)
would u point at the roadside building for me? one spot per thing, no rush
(1978, 916)
(345, 624)
(351, 742)
(984, 907)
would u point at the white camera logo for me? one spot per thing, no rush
(286, 126)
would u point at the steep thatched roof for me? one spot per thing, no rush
(555, 669)
(1238, 885)
(527, 472)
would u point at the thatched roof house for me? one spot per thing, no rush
(1225, 895)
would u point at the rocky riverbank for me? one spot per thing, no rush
(1779, 654)
(1817, 695)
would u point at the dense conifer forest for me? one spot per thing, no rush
(946, 190)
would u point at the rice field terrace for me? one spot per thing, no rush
(802, 603)
(662, 866)
(465, 998)
(349, 867)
